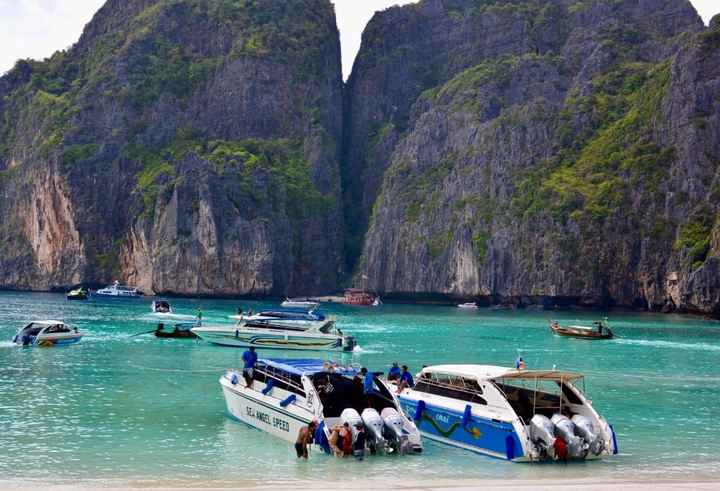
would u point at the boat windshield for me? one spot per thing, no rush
(451, 386)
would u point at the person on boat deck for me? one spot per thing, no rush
(600, 327)
(239, 311)
(304, 439)
(250, 359)
(561, 451)
(406, 379)
(520, 363)
(360, 439)
(394, 372)
(199, 314)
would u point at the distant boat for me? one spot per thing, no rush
(355, 296)
(300, 303)
(47, 333)
(468, 306)
(179, 331)
(600, 331)
(78, 294)
(118, 290)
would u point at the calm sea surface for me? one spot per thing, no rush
(122, 407)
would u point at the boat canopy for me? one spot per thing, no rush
(492, 372)
(553, 375)
(304, 366)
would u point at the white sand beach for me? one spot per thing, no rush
(370, 484)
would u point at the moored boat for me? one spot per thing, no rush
(511, 414)
(161, 307)
(600, 331)
(468, 306)
(355, 296)
(47, 333)
(286, 395)
(118, 290)
(243, 335)
(296, 319)
(306, 303)
(77, 294)
(179, 331)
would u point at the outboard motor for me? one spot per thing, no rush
(566, 429)
(395, 429)
(349, 343)
(585, 428)
(542, 434)
(374, 426)
(352, 418)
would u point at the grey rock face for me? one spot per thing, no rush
(186, 147)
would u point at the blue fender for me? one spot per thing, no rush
(321, 438)
(419, 410)
(268, 387)
(614, 440)
(234, 379)
(509, 447)
(290, 399)
(467, 415)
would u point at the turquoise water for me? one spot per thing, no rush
(122, 407)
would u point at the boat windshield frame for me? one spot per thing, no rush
(562, 380)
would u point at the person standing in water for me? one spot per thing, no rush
(359, 445)
(304, 439)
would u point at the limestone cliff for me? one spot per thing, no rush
(181, 145)
(565, 153)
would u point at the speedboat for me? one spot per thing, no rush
(599, 331)
(295, 319)
(507, 413)
(47, 333)
(77, 294)
(286, 395)
(307, 304)
(163, 312)
(118, 290)
(243, 334)
(468, 306)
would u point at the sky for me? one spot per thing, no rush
(37, 28)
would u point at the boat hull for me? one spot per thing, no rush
(177, 334)
(264, 412)
(244, 338)
(490, 437)
(47, 341)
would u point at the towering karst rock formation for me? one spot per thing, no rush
(182, 145)
(528, 151)
(540, 152)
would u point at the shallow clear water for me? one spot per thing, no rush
(122, 407)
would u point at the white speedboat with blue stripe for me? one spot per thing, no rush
(287, 394)
(506, 413)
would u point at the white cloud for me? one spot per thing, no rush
(38, 28)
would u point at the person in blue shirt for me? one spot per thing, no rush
(250, 359)
(406, 379)
(368, 381)
(394, 372)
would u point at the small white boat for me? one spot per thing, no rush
(243, 335)
(309, 305)
(468, 306)
(47, 333)
(377, 302)
(506, 413)
(162, 312)
(286, 395)
(118, 290)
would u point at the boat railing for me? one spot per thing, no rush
(272, 374)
